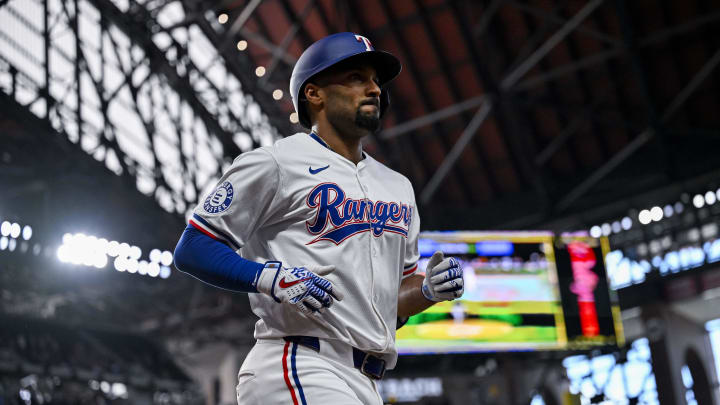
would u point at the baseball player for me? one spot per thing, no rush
(323, 238)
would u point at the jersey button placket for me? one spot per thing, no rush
(371, 244)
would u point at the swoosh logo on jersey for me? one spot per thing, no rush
(318, 170)
(284, 284)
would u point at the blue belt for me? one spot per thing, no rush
(368, 364)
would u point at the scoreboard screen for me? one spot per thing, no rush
(523, 291)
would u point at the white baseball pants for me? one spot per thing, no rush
(278, 372)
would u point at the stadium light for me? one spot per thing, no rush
(595, 231)
(5, 228)
(155, 255)
(644, 217)
(3, 242)
(616, 227)
(698, 201)
(12, 243)
(143, 267)
(606, 229)
(100, 261)
(294, 118)
(119, 264)
(656, 213)
(27, 232)
(132, 266)
(277, 94)
(113, 248)
(135, 252)
(223, 18)
(166, 259)
(92, 251)
(153, 270)
(124, 250)
(679, 207)
(710, 198)
(242, 45)
(626, 223)
(15, 230)
(668, 210)
(260, 71)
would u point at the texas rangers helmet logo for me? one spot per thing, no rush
(348, 217)
(220, 199)
(365, 41)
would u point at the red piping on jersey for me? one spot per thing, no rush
(199, 228)
(410, 270)
(285, 374)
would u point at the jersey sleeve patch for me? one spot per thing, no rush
(220, 200)
(205, 227)
(409, 269)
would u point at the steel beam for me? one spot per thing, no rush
(127, 23)
(420, 82)
(486, 18)
(46, 53)
(238, 23)
(268, 45)
(589, 61)
(289, 36)
(643, 137)
(456, 151)
(513, 77)
(601, 57)
(237, 28)
(554, 18)
(679, 29)
(558, 141)
(685, 93)
(430, 118)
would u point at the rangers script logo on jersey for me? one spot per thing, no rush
(350, 217)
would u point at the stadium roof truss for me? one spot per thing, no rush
(526, 108)
(499, 97)
(155, 103)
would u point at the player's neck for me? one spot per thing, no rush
(347, 146)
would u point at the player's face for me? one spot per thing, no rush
(353, 100)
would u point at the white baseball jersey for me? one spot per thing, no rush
(301, 203)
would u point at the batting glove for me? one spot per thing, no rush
(302, 287)
(443, 279)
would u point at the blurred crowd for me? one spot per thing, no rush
(42, 362)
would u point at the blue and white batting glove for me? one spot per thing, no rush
(443, 279)
(301, 287)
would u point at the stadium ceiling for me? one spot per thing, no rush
(510, 113)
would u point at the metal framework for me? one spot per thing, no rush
(151, 100)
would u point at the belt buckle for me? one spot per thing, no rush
(371, 374)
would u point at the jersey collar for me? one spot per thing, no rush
(315, 136)
(322, 142)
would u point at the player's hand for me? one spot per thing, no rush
(302, 287)
(443, 279)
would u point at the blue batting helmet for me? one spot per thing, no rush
(332, 50)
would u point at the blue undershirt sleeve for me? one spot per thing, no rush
(215, 263)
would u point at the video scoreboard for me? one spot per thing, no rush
(523, 291)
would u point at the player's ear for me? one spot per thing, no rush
(313, 94)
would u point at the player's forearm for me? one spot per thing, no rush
(215, 263)
(410, 298)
